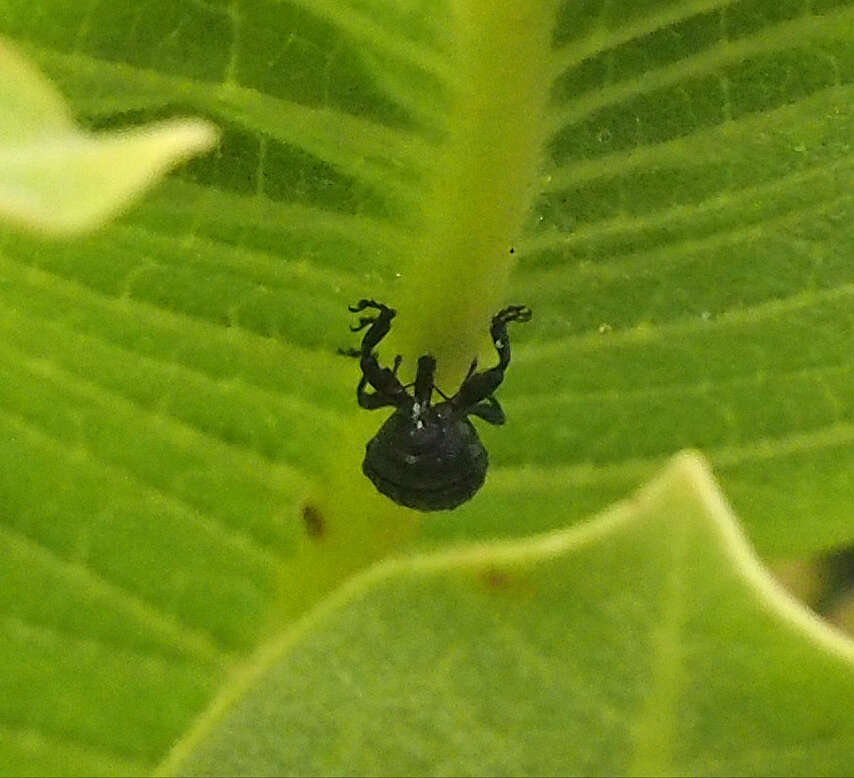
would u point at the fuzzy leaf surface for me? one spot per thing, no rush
(179, 442)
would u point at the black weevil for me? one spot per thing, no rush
(426, 456)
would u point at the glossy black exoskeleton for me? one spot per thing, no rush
(426, 456)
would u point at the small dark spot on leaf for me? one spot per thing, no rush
(512, 250)
(513, 584)
(495, 578)
(315, 526)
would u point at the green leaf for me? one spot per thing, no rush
(57, 179)
(648, 641)
(179, 441)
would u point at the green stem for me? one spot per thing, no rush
(483, 182)
(459, 274)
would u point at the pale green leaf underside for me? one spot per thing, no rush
(171, 396)
(648, 641)
(58, 180)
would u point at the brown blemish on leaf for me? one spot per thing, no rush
(495, 578)
(315, 526)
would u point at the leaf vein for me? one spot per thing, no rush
(750, 314)
(49, 741)
(790, 34)
(813, 179)
(196, 643)
(265, 472)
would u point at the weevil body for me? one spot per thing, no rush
(429, 457)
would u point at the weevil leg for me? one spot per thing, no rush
(371, 400)
(472, 369)
(498, 330)
(387, 388)
(478, 387)
(379, 324)
(489, 410)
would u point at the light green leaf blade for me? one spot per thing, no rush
(31, 105)
(648, 641)
(59, 180)
(178, 436)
